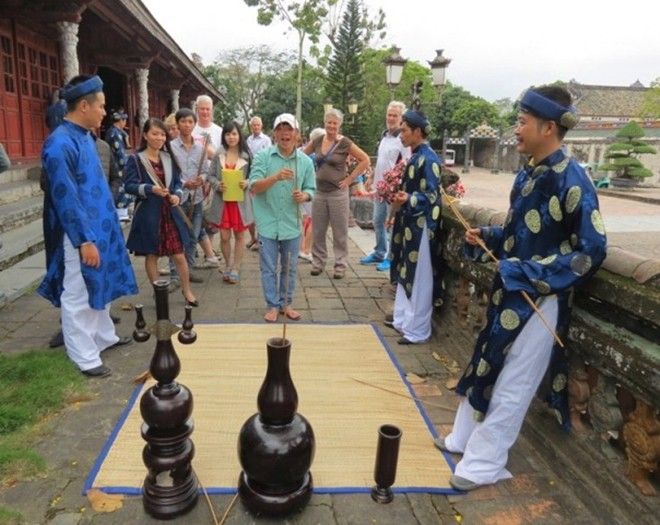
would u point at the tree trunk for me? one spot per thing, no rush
(301, 40)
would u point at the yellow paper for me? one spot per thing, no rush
(232, 180)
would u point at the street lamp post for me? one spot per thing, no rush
(327, 104)
(352, 109)
(438, 70)
(394, 69)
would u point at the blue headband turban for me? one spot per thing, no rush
(415, 118)
(548, 109)
(92, 85)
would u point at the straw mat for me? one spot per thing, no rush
(224, 370)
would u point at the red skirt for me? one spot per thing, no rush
(231, 217)
(169, 238)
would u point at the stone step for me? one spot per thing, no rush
(20, 172)
(19, 213)
(22, 277)
(21, 242)
(15, 191)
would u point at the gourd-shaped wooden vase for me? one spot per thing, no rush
(170, 487)
(276, 445)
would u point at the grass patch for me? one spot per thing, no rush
(10, 517)
(34, 385)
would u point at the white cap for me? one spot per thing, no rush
(287, 118)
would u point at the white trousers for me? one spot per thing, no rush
(412, 317)
(486, 445)
(87, 332)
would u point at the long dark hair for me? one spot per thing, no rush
(242, 145)
(167, 148)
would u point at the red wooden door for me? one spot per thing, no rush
(10, 121)
(29, 73)
(38, 77)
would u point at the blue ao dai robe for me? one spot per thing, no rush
(552, 240)
(79, 203)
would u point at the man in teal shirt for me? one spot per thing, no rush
(281, 179)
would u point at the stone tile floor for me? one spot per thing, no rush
(558, 478)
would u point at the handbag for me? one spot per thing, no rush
(208, 200)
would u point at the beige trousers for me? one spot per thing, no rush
(330, 209)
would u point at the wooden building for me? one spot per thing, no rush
(44, 43)
(603, 110)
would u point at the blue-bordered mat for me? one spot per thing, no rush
(349, 383)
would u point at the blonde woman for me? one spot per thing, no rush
(330, 206)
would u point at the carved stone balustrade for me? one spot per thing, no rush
(615, 375)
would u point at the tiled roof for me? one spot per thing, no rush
(607, 101)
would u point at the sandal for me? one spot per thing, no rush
(225, 275)
(234, 278)
(291, 314)
(271, 315)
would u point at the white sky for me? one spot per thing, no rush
(498, 48)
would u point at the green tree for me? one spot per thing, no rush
(453, 97)
(622, 155)
(506, 110)
(371, 109)
(345, 75)
(305, 17)
(279, 98)
(474, 112)
(373, 28)
(242, 75)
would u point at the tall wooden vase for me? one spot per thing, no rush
(170, 487)
(276, 445)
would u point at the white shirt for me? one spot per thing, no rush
(389, 149)
(213, 130)
(258, 142)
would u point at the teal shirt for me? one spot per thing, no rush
(276, 214)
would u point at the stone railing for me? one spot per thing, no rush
(614, 384)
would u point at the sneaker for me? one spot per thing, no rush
(383, 266)
(174, 285)
(439, 443)
(164, 271)
(371, 259)
(99, 371)
(305, 256)
(211, 262)
(463, 484)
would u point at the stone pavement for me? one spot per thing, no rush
(558, 479)
(630, 224)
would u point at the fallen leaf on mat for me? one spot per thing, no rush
(454, 367)
(102, 502)
(451, 383)
(126, 307)
(414, 379)
(142, 378)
